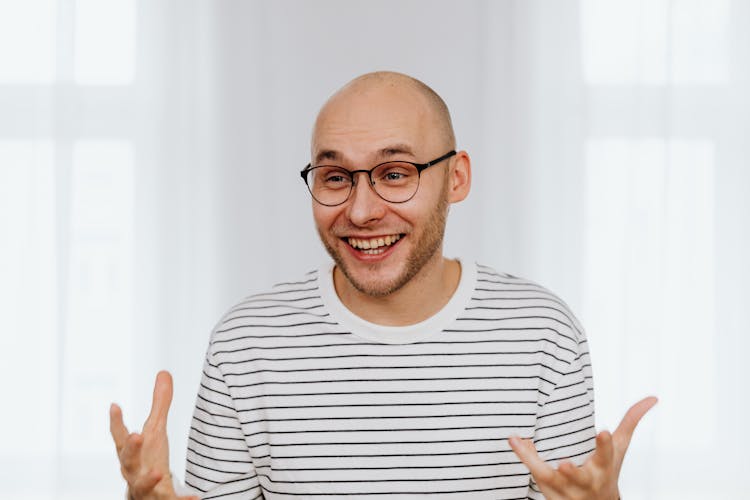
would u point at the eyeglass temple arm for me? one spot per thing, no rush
(438, 160)
(423, 166)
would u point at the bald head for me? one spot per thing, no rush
(424, 100)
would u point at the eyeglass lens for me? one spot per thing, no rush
(393, 181)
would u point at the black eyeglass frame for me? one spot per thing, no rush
(419, 166)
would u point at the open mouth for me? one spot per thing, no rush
(373, 246)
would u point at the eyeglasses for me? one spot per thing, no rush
(393, 181)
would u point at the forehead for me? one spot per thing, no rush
(358, 125)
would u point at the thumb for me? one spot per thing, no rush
(624, 431)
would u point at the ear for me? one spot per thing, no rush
(459, 177)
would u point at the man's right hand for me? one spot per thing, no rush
(144, 457)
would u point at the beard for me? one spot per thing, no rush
(423, 250)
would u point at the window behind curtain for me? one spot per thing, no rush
(67, 72)
(655, 74)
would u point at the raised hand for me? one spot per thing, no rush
(144, 457)
(597, 478)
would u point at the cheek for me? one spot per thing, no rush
(324, 217)
(432, 187)
(422, 207)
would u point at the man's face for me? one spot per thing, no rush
(380, 246)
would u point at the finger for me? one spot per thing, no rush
(525, 450)
(603, 456)
(577, 475)
(117, 427)
(130, 457)
(624, 431)
(161, 400)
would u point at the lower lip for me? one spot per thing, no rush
(366, 257)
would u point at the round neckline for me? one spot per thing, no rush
(408, 334)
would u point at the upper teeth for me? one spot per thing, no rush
(374, 242)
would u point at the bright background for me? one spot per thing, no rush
(610, 142)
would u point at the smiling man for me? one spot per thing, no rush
(384, 121)
(394, 372)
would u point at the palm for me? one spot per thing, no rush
(597, 478)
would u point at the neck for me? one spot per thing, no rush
(423, 296)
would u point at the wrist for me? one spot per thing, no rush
(169, 480)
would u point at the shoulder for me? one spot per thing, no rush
(525, 304)
(288, 304)
(490, 280)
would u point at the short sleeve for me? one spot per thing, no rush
(219, 464)
(565, 423)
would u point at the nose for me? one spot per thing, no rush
(365, 206)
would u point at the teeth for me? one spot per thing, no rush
(373, 246)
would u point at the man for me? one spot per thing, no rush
(394, 372)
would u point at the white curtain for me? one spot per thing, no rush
(609, 141)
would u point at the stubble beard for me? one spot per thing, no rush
(423, 251)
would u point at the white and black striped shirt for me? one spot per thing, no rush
(300, 398)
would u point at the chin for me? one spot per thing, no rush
(377, 287)
(372, 280)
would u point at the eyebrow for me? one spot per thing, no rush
(394, 150)
(382, 154)
(326, 154)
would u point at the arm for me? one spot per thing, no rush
(218, 461)
(144, 457)
(559, 455)
(564, 429)
(597, 478)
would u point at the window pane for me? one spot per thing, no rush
(104, 42)
(623, 41)
(649, 280)
(97, 350)
(700, 41)
(28, 315)
(28, 308)
(27, 41)
(655, 42)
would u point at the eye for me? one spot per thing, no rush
(395, 173)
(335, 179)
(393, 176)
(332, 177)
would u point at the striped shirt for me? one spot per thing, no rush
(300, 398)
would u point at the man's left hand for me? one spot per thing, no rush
(597, 478)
